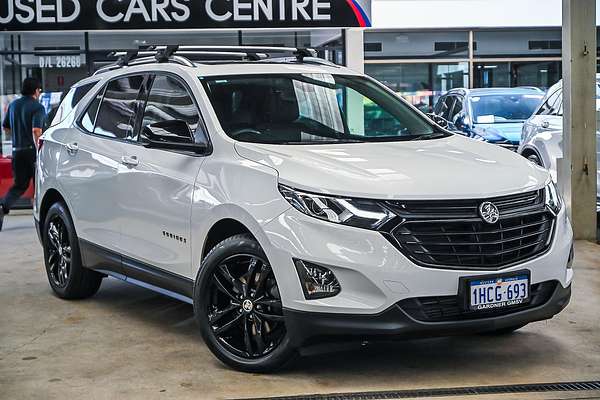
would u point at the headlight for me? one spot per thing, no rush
(354, 212)
(553, 201)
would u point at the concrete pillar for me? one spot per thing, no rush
(577, 168)
(355, 53)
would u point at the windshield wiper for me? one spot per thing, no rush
(340, 141)
(435, 135)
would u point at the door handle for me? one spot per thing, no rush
(72, 148)
(130, 161)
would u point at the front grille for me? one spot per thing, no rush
(451, 234)
(452, 308)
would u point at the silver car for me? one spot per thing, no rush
(541, 137)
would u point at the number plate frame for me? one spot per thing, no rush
(464, 291)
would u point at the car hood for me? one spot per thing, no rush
(498, 132)
(449, 168)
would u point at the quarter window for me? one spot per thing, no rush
(89, 117)
(116, 117)
(72, 98)
(169, 100)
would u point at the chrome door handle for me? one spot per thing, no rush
(72, 148)
(130, 161)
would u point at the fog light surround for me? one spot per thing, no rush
(571, 257)
(317, 281)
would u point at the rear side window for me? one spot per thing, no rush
(169, 100)
(116, 116)
(69, 102)
(89, 117)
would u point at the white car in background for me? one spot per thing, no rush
(541, 138)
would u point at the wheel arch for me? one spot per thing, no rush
(221, 230)
(51, 196)
(528, 150)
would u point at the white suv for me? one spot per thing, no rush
(293, 203)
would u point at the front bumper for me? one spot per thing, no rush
(374, 276)
(308, 328)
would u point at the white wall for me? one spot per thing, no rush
(412, 14)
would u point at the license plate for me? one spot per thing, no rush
(498, 292)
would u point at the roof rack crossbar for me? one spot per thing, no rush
(182, 54)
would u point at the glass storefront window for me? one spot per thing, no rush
(541, 74)
(421, 83)
(382, 45)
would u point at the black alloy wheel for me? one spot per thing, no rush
(239, 309)
(67, 276)
(59, 252)
(244, 311)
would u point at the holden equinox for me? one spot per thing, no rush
(293, 203)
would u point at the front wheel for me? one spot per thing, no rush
(238, 307)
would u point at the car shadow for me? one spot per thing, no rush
(425, 358)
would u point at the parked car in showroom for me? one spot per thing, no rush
(250, 187)
(493, 115)
(541, 138)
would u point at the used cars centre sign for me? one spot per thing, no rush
(44, 15)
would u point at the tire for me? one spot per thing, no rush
(504, 331)
(66, 274)
(238, 307)
(534, 158)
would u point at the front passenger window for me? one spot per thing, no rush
(169, 100)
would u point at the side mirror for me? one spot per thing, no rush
(172, 135)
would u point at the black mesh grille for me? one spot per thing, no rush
(451, 234)
(451, 308)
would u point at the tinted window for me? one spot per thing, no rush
(447, 107)
(169, 100)
(70, 101)
(457, 108)
(89, 117)
(116, 117)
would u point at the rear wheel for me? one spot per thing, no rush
(238, 307)
(66, 274)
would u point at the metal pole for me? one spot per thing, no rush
(577, 169)
(471, 55)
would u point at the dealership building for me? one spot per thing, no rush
(418, 56)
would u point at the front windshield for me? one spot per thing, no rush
(498, 108)
(311, 109)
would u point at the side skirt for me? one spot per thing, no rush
(136, 272)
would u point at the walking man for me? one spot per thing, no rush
(23, 121)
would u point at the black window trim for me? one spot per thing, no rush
(145, 74)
